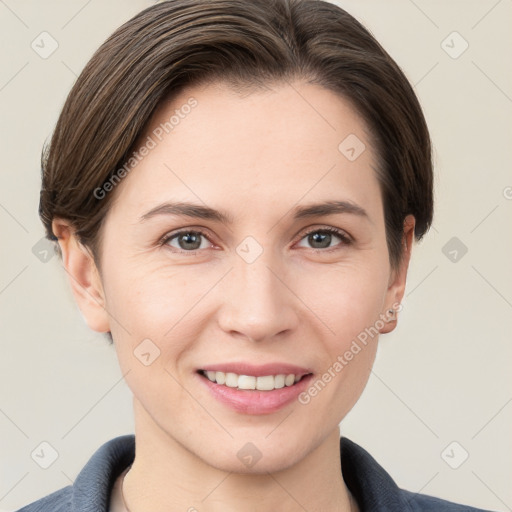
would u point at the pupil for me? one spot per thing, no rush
(318, 237)
(190, 238)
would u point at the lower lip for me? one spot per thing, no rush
(249, 401)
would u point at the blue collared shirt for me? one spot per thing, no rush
(372, 487)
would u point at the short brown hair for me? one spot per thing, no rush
(179, 43)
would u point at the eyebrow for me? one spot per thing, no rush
(197, 211)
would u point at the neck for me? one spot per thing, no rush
(164, 473)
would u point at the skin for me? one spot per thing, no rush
(255, 157)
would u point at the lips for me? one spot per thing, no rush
(253, 389)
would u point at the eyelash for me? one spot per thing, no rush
(346, 240)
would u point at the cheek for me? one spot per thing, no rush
(347, 299)
(349, 304)
(151, 301)
(165, 306)
(155, 328)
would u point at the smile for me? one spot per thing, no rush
(255, 390)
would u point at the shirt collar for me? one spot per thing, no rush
(93, 485)
(372, 487)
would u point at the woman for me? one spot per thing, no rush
(235, 188)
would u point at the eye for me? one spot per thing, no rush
(188, 241)
(321, 238)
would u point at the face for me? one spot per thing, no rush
(268, 287)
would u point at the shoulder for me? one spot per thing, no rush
(425, 503)
(92, 488)
(374, 489)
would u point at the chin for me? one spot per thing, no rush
(257, 454)
(260, 465)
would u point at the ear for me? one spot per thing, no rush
(398, 279)
(83, 275)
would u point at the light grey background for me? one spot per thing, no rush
(442, 376)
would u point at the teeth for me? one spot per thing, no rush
(263, 383)
(246, 382)
(231, 380)
(289, 380)
(279, 381)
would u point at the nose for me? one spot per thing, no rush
(258, 303)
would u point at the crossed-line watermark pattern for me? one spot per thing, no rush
(454, 46)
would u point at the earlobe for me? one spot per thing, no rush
(83, 276)
(398, 278)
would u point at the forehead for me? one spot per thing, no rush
(267, 149)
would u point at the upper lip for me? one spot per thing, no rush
(241, 368)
